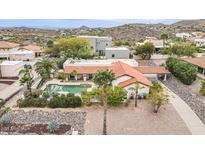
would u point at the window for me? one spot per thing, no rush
(113, 55)
(106, 44)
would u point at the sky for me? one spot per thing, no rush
(76, 23)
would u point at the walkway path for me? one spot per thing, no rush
(10, 91)
(195, 125)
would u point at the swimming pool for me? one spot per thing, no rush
(75, 89)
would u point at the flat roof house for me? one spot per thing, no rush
(10, 69)
(98, 43)
(117, 53)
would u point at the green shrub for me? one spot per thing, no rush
(202, 89)
(5, 120)
(62, 101)
(116, 96)
(182, 70)
(53, 126)
(61, 76)
(32, 102)
(2, 102)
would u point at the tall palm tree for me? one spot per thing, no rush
(26, 78)
(44, 68)
(137, 86)
(104, 78)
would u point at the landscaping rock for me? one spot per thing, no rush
(191, 98)
(75, 119)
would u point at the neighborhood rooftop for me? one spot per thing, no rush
(198, 61)
(7, 45)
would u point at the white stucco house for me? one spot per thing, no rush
(199, 42)
(12, 51)
(183, 35)
(117, 53)
(10, 69)
(98, 43)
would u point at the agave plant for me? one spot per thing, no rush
(53, 126)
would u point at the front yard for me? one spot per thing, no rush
(124, 120)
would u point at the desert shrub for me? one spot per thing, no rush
(202, 89)
(87, 56)
(5, 120)
(53, 126)
(61, 76)
(116, 96)
(182, 70)
(36, 93)
(32, 102)
(2, 102)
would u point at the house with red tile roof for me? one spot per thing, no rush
(36, 49)
(199, 62)
(126, 75)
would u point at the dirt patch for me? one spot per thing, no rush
(39, 129)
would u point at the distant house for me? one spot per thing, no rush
(8, 46)
(117, 53)
(36, 49)
(11, 51)
(98, 43)
(10, 69)
(183, 35)
(158, 43)
(199, 42)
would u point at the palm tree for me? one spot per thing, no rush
(164, 37)
(104, 78)
(26, 78)
(157, 97)
(44, 68)
(137, 86)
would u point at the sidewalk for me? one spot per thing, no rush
(195, 125)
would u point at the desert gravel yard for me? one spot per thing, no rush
(130, 120)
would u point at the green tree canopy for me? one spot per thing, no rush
(145, 51)
(71, 47)
(181, 49)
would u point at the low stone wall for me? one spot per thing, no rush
(192, 99)
(75, 119)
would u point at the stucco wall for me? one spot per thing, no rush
(11, 70)
(118, 54)
(143, 90)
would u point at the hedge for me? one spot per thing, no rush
(56, 101)
(182, 70)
